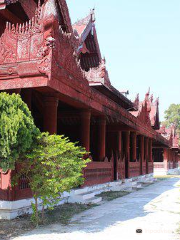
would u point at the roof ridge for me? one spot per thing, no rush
(87, 19)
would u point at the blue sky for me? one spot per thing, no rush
(140, 40)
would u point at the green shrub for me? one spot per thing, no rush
(17, 129)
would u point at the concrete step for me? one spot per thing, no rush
(129, 190)
(135, 179)
(93, 200)
(86, 196)
(137, 187)
(128, 180)
(134, 183)
(149, 182)
(115, 183)
(146, 183)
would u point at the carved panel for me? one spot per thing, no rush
(37, 42)
(23, 49)
(134, 169)
(98, 173)
(8, 46)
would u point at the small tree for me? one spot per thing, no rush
(17, 129)
(55, 165)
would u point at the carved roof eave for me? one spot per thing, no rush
(155, 115)
(163, 140)
(86, 31)
(89, 27)
(113, 91)
(122, 97)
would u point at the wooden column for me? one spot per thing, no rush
(101, 138)
(134, 144)
(146, 153)
(141, 154)
(85, 129)
(146, 149)
(119, 142)
(150, 150)
(50, 114)
(127, 153)
(165, 158)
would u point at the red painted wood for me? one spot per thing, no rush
(134, 169)
(85, 129)
(98, 173)
(50, 114)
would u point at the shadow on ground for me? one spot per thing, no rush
(135, 205)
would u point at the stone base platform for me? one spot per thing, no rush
(10, 210)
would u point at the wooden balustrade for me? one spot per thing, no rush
(98, 173)
(159, 165)
(150, 167)
(134, 169)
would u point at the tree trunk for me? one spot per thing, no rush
(36, 206)
(42, 214)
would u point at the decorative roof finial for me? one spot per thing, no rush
(157, 101)
(149, 89)
(103, 60)
(92, 13)
(152, 97)
(136, 101)
(147, 95)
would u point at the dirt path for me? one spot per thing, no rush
(155, 210)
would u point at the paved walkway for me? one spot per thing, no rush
(155, 210)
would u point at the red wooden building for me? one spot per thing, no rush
(166, 160)
(58, 70)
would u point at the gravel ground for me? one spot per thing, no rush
(155, 210)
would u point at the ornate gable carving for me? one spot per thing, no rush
(22, 42)
(144, 108)
(65, 56)
(99, 74)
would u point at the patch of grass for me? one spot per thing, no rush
(61, 214)
(109, 196)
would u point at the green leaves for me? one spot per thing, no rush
(51, 163)
(54, 166)
(17, 129)
(172, 116)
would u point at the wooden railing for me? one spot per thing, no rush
(150, 167)
(9, 193)
(143, 168)
(120, 170)
(134, 169)
(159, 165)
(98, 173)
(170, 165)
